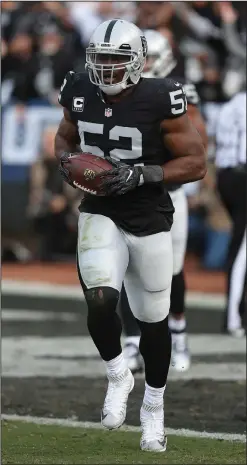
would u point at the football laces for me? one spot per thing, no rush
(90, 191)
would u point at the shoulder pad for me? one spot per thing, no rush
(174, 101)
(191, 94)
(66, 89)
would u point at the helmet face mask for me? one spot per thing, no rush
(108, 69)
(114, 66)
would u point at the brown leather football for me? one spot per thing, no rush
(83, 170)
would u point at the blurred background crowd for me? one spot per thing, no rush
(40, 42)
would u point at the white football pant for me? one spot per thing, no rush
(107, 256)
(179, 230)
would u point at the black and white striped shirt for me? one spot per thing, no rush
(231, 133)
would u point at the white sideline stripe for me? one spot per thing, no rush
(30, 367)
(10, 315)
(133, 429)
(31, 356)
(37, 289)
(205, 300)
(71, 346)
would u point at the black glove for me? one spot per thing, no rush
(63, 170)
(120, 179)
(124, 178)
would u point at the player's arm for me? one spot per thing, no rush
(185, 144)
(193, 111)
(188, 164)
(66, 140)
(180, 137)
(184, 135)
(196, 118)
(67, 137)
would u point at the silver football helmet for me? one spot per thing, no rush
(160, 60)
(115, 56)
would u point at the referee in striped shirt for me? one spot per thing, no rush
(231, 179)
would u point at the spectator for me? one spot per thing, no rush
(40, 48)
(234, 28)
(86, 16)
(21, 66)
(67, 28)
(209, 224)
(56, 58)
(209, 22)
(154, 15)
(234, 34)
(10, 17)
(52, 205)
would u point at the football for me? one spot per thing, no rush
(84, 168)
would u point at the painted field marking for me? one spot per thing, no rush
(62, 357)
(71, 346)
(11, 315)
(201, 300)
(132, 429)
(94, 369)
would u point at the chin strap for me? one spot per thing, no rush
(114, 89)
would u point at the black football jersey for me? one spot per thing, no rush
(129, 131)
(190, 91)
(192, 99)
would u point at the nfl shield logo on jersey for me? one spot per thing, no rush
(108, 112)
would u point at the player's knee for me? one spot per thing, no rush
(158, 283)
(155, 306)
(101, 301)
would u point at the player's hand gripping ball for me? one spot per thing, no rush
(83, 170)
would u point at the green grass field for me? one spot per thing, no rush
(28, 443)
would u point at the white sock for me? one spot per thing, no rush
(135, 340)
(153, 396)
(117, 366)
(177, 325)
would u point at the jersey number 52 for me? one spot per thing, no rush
(178, 102)
(114, 134)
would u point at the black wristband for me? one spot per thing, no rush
(151, 174)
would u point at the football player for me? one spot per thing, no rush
(125, 235)
(161, 62)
